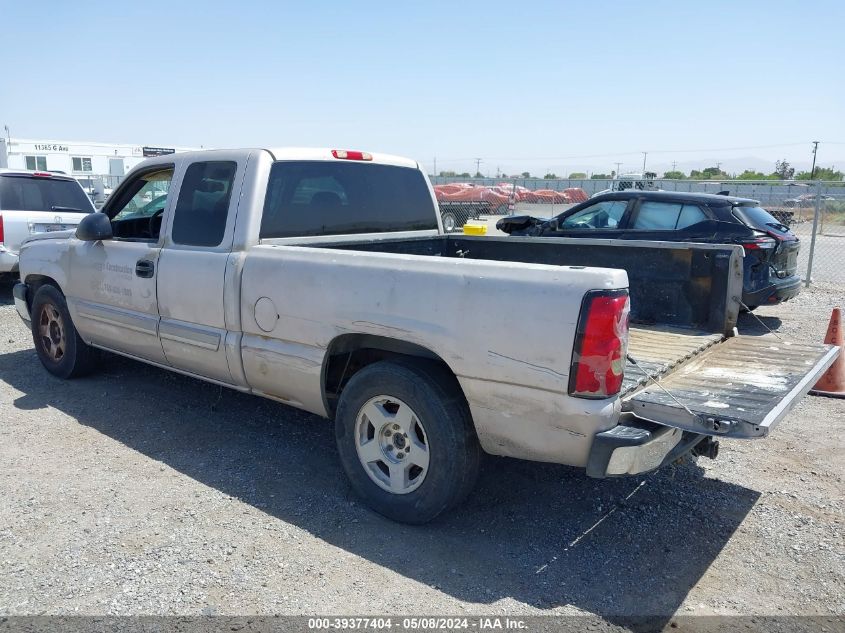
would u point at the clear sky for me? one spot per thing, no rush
(532, 86)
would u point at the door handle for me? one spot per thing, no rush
(145, 268)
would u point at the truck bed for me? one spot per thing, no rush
(680, 285)
(684, 308)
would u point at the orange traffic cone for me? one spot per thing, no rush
(832, 383)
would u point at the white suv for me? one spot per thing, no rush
(36, 202)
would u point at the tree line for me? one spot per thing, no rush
(783, 171)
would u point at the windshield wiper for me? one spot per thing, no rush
(56, 207)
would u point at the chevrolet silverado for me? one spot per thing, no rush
(323, 279)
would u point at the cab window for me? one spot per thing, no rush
(601, 215)
(203, 204)
(136, 212)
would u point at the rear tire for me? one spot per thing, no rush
(57, 343)
(406, 439)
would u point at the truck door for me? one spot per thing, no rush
(111, 288)
(192, 266)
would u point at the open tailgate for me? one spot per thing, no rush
(741, 387)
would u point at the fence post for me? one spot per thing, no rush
(512, 201)
(815, 231)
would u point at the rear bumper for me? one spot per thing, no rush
(20, 292)
(8, 261)
(782, 290)
(637, 447)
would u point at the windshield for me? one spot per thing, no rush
(760, 219)
(33, 193)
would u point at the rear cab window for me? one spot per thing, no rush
(39, 193)
(313, 198)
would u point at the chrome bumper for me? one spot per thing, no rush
(637, 447)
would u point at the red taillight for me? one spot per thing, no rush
(2, 239)
(759, 243)
(42, 174)
(601, 345)
(348, 154)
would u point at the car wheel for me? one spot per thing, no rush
(406, 440)
(450, 222)
(57, 343)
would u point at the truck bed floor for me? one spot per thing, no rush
(658, 349)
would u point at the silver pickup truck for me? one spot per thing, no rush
(323, 279)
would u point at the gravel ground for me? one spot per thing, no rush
(138, 491)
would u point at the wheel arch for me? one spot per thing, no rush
(347, 354)
(35, 281)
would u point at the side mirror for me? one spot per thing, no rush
(94, 227)
(554, 224)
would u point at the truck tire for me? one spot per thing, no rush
(57, 343)
(406, 439)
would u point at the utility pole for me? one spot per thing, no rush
(477, 165)
(815, 149)
(618, 166)
(674, 165)
(435, 166)
(645, 154)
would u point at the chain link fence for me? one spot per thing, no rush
(814, 211)
(462, 201)
(821, 228)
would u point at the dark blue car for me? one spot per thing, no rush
(771, 249)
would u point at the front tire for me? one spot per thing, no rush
(406, 440)
(57, 343)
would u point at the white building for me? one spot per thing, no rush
(107, 162)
